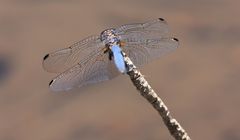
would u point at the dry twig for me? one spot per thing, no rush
(148, 93)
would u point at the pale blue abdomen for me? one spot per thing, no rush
(118, 58)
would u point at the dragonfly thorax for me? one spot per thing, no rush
(109, 37)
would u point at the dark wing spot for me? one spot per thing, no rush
(46, 56)
(175, 39)
(50, 83)
(161, 19)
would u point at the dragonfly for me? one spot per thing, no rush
(99, 58)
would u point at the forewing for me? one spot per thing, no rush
(95, 68)
(157, 28)
(66, 58)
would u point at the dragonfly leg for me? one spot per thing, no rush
(106, 49)
(110, 55)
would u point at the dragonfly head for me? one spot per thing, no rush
(109, 36)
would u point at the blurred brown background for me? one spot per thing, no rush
(199, 82)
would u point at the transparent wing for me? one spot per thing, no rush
(95, 68)
(64, 59)
(157, 28)
(146, 41)
(143, 51)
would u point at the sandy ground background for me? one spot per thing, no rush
(199, 82)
